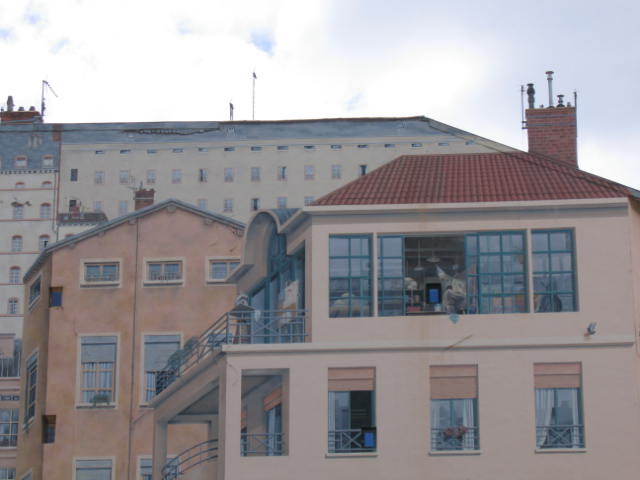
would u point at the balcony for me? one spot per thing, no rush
(560, 436)
(244, 326)
(352, 440)
(192, 457)
(262, 444)
(455, 438)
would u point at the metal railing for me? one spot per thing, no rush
(351, 440)
(237, 327)
(560, 436)
(262, 444)
(191, 457)
(101, 277)
(455, 438)
(165, 276)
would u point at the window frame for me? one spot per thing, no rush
(43, 242)
(309, 172)
(13, 306)
(34, 298)
(228, 260)
(75, 465)
(13, 423)
(143, 372)
(98, 177)
(369, 277)
(164, 261)
(227, 205)
(45, 211)
(151, 176)
(31, 387)
(18, 212)
(228, 174)
(124, 177)
(15, 272)
(176, 176)
(114, 373)
(100, 262)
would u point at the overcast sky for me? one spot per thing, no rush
(458, 62)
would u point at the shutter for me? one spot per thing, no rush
(93, 469)
(557, 375)
(273, 399)
(352, 379)
(145, 466)
(98, 349)
(158, 349)
(453, 381)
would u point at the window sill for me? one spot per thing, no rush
(437, 453)
(560, 450)
(99, 284)
(109, 406)
(352, 455)
(163, 283)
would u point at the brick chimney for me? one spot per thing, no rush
(143, 198)
(20, 116)
(553, 132)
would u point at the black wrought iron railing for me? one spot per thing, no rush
(560, 436)
(352, 440)
(262, 444)
(455, 438)
(202, 452)
(237, 327)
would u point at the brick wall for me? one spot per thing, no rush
(553, 132)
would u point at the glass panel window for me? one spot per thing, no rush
(73, 175)
(8, 427)
(45, 210)
(21, 161)
(7, 473)
(16, 243)
(554, 276)
(282, 173)
(350, 276)
(391, 294)
(19, 185)
(352, 421)
(93, 469)
(12, 306)
(35, 290)
(454, 424)
(97, 366)
(336, 172)
(309, 172)
(151, 177)
(18, 212)
(124, 177)
(308, 200)
(98, 178)
(47, 161)
(227, 206)
(164, 271)
(101, 272)
(282, 202)
(255, 174)
(123, 207)
(176, 175)
(220, 269)
(157, 351)
(255, 204)
(43, 241)
(228, 174)
(559, 418)
(203, 175)
(363, 170)
(30, 388)
(14, 275)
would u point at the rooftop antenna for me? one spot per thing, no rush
(42, 104)
(253, 111)
(550, 81)
(230, 111)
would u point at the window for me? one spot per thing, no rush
(16, 243)
(99, 152)
(309, 147)
(336, 147)
(363, 145)
(73, 203)
(151, 177)
(98, 367)
(336, 172)
(157, 351)
(176, 175)
(151, 151)
(256, 149)
(228, 174)
(229, 149)
(363, 170)
(93, 470)
(454, 392)
(350, 276)
(34, 291)
(124, 177)
(219, 270)
(203, 149)
(123, 207)
(178, 150)
(47, 161)
(146, 469)
(558, 405)
(97, 273)
(227, 205)
(55, 296)
(7, 473)
(282, 202)
(18, 212)
(14, 275)
(389, 145)
(73, 175)
(352, 419)
(553, 271)
(45, 210)
(21, 161)
(8, 427)
(203, 175)
(308, 200)
(255, 204)
(48, 429)
(255, 174)
(30, 388)
(416, 145)
(125, 151)
(164, 271)
(19, 186)
(13, 306)
(97, 205)
(46, 184)
(43, 241)
(283, 148)
(282, 173)
(98, 177)
(202, 203)
(309, 172)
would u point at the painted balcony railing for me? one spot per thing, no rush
(352, 440)
(262, 444)
(455, 438)
(560, 436)
(237, 327)
(191, 457)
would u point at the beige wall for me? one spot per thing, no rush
(129, 311)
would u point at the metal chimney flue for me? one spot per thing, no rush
(560, 101)
(550, 81)
(531, 95)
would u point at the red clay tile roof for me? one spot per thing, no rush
(482, 177)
